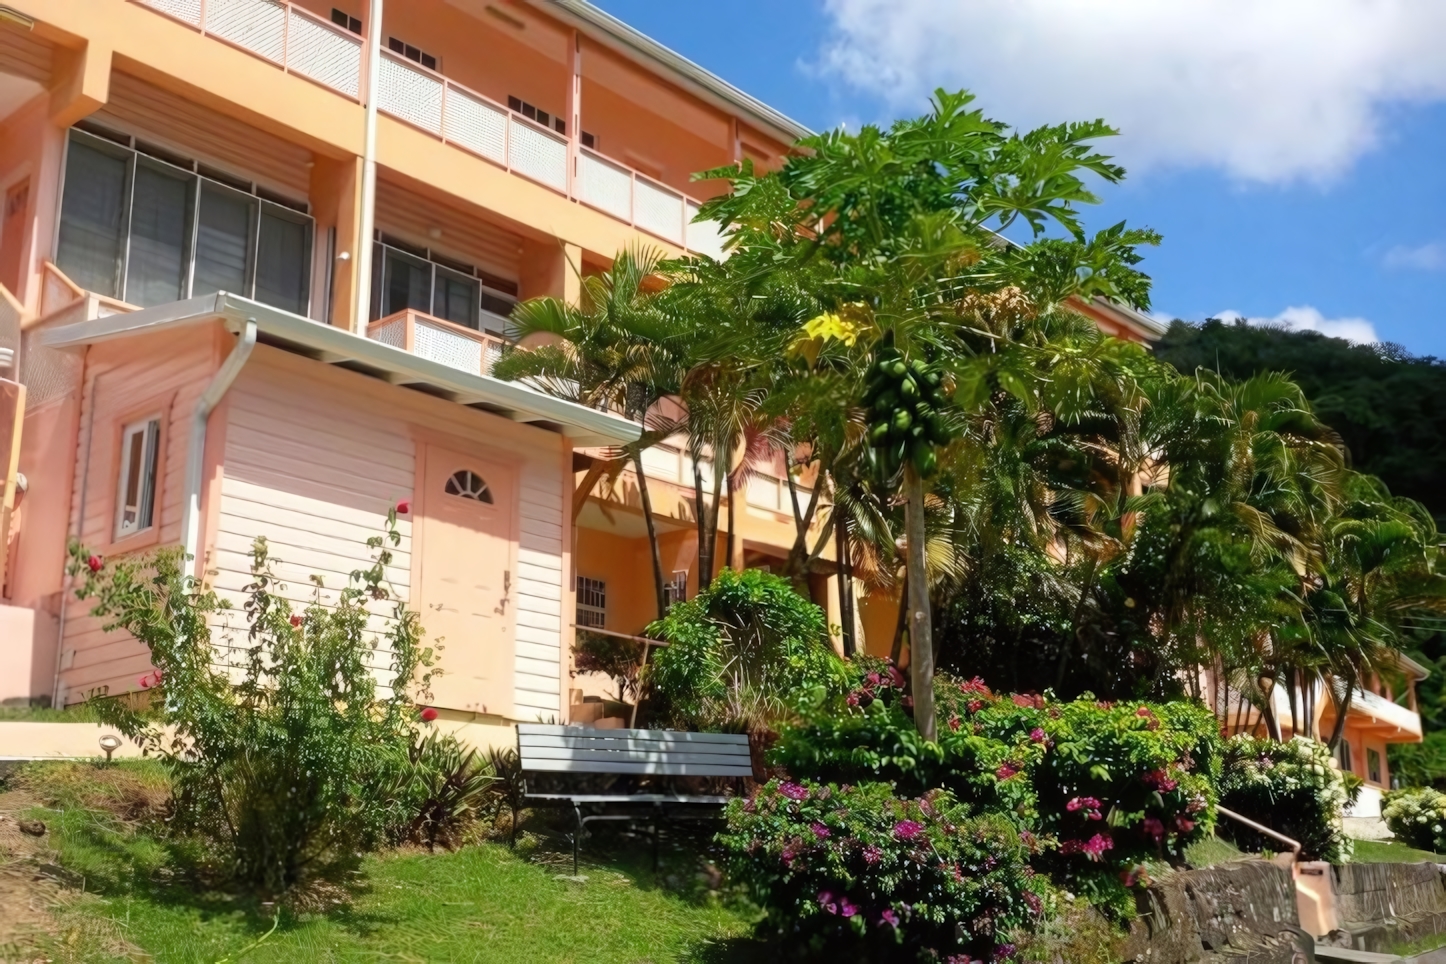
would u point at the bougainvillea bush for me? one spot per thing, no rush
(1291, 787)
(1417, 818)
(858, 873)
(1104, 786)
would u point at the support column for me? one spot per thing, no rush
(336, 198)
(82, 83)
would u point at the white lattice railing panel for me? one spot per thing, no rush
(658, 210)
(476, 125)
(392, 333)
(447, 347)
(704, 237)
(324, 53)
(491, 352)
(188, 11)
(410, 95)
(538, 155)
(257, 25)
(47, 372)
(605, 185)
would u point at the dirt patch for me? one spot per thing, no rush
(28, 895)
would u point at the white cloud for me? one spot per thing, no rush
(1267, 90)
(1306, 318)
(1427, 257)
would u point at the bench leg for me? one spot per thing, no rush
(576, 836)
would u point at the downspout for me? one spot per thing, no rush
(196, 450)
(366, 223)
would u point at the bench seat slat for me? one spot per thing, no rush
(622, 766)
(634, 756)
(627, 798)
(540, 744)
(666, 736)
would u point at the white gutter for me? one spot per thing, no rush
(362, 257)
(196, 452)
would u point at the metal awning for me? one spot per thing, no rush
(337, 346)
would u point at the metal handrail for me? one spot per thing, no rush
(1294, 845)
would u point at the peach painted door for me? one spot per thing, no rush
(467, 541)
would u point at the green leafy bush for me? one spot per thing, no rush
(860, 874)
(1417, 818)
(743, 653)
(450, 786)
(617, 658)
(1291, 787)
(284, 754)
(1105, 786)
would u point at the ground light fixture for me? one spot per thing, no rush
(109, 742)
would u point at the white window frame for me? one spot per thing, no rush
(676, 589)
(589, 591)
(148, 430)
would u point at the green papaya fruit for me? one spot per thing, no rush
(879, 433)
(887, 401)
(919, 366)
(898, 368)
(908, 390)
(925, 461)
(932, 379)
(902, 420)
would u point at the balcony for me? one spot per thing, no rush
(440, 341)
(299, 42)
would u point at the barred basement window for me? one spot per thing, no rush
(467, 484)
(1373, 766)
(592, 603)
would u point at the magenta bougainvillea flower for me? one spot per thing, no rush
(1036, 735)
(1006, 771)
(890, 918)
(1160, 780)
(819, 830)
(907, 829)
(872, 855)
(793, 791)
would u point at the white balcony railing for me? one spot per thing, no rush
(438, 340)
(294, 39)
(300, 42)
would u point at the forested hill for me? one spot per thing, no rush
(1388, 406)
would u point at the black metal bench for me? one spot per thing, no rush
(554, 750)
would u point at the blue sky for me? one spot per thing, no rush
(1290, 151)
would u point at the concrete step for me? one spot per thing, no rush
(1325, 952)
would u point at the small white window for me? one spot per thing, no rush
(136, 495)
(469, 485)
(592, 603)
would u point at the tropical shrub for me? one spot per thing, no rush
(285, 755)
(859, 873)
(1292, 787)
(745, 652)
(617, 658)
(1417, 818)
(1104, 786)
(450, 786)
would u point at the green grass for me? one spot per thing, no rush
(483, 903)
(1211, 851)
(1392, 852)
(80, 713)
(1419, 946)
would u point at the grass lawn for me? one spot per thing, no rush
(482, 903)
(1392, 852)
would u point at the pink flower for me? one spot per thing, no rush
(1006, 771)
(896, 677)
(975, 706)
(1184, 824)
(404, 507)
(852, 699)
(1036, 735)
(1093, 848)
(872, 855)
(846, 908)
(1036, 906)
(907, 829)
(826, 901)
(145, 681)
(1160, 780)
(1089, 805)
(95, 563)
(429, 714)
(793, 791)
(1154, 827)
(890, 918)
(296, 620)
(819, 830)
(954, 723)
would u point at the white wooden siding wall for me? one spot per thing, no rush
(315, 468)
(538, 668)
(316, 477)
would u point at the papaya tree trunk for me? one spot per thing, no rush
(921, 633)
(845, 587)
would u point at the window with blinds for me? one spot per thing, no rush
(406, 276)
(151, 228)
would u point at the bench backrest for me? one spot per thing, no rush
(575, 749)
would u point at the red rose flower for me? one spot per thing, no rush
(296, 620)
(95, 563)
(404, 507)
(429, 714)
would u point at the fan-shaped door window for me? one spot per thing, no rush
(466, 484)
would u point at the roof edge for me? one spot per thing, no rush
(584, 426)
(634, 41)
